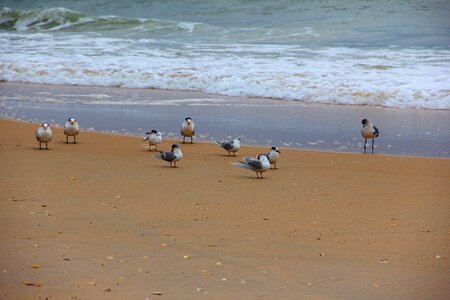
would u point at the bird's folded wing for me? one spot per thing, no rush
(227, 145)
(168, 156)
(377, 132)
(253, 162)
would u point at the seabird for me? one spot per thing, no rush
(231, 146)
(258, 165)
(171, 156)
(368, 131)
(187, 129)
(71, 129)
(273, 156)
(153, 138)
(43, 134)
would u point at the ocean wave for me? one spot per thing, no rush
(47, 19)
(69, 21)
(55, 19)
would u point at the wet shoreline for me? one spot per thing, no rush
(262, 122)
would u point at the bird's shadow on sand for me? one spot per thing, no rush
(248, 177)
(65, 143)
(33, 148)
(166, 167)
(226, 155)
(150, 151)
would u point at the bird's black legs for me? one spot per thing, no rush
(365, 143)
(67, 139)
(373, 144)
(46, 148)
(74, 139)
(40, 148)
(191, 140)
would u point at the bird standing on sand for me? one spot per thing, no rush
(273, 156)
(368, 131)
(258, 165)
(153, 138)
(171, 156)
(71, 129)
(43, 135)
(231, 146)
(188, 129)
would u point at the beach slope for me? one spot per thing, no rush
(103, 219)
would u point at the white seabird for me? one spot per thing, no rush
(273, 156)
(231, 146)
(153, 138)
(188, 129)
(368, 131)
(43, 134)
(71, 128)
(258, 165)
(171, 156)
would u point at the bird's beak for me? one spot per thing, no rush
(148, 132)
(278, 151)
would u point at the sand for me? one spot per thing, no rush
(102, 219)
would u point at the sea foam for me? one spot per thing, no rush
(39, 48)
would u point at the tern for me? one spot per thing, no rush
(188, 129)
(368, 131)
(153, 138)
(258, 165)
(71, 129)
(273, 156)
(171, 156)
(43, 134)
(231, 146)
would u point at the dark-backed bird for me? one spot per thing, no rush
(368, 131)
(171, 156)
(258, 165)
(231, 146)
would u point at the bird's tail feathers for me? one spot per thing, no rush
(158, 156)
(241, 165)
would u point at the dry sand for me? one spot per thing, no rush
(102, 219)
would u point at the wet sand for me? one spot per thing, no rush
(263, 122)
(102, 219)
